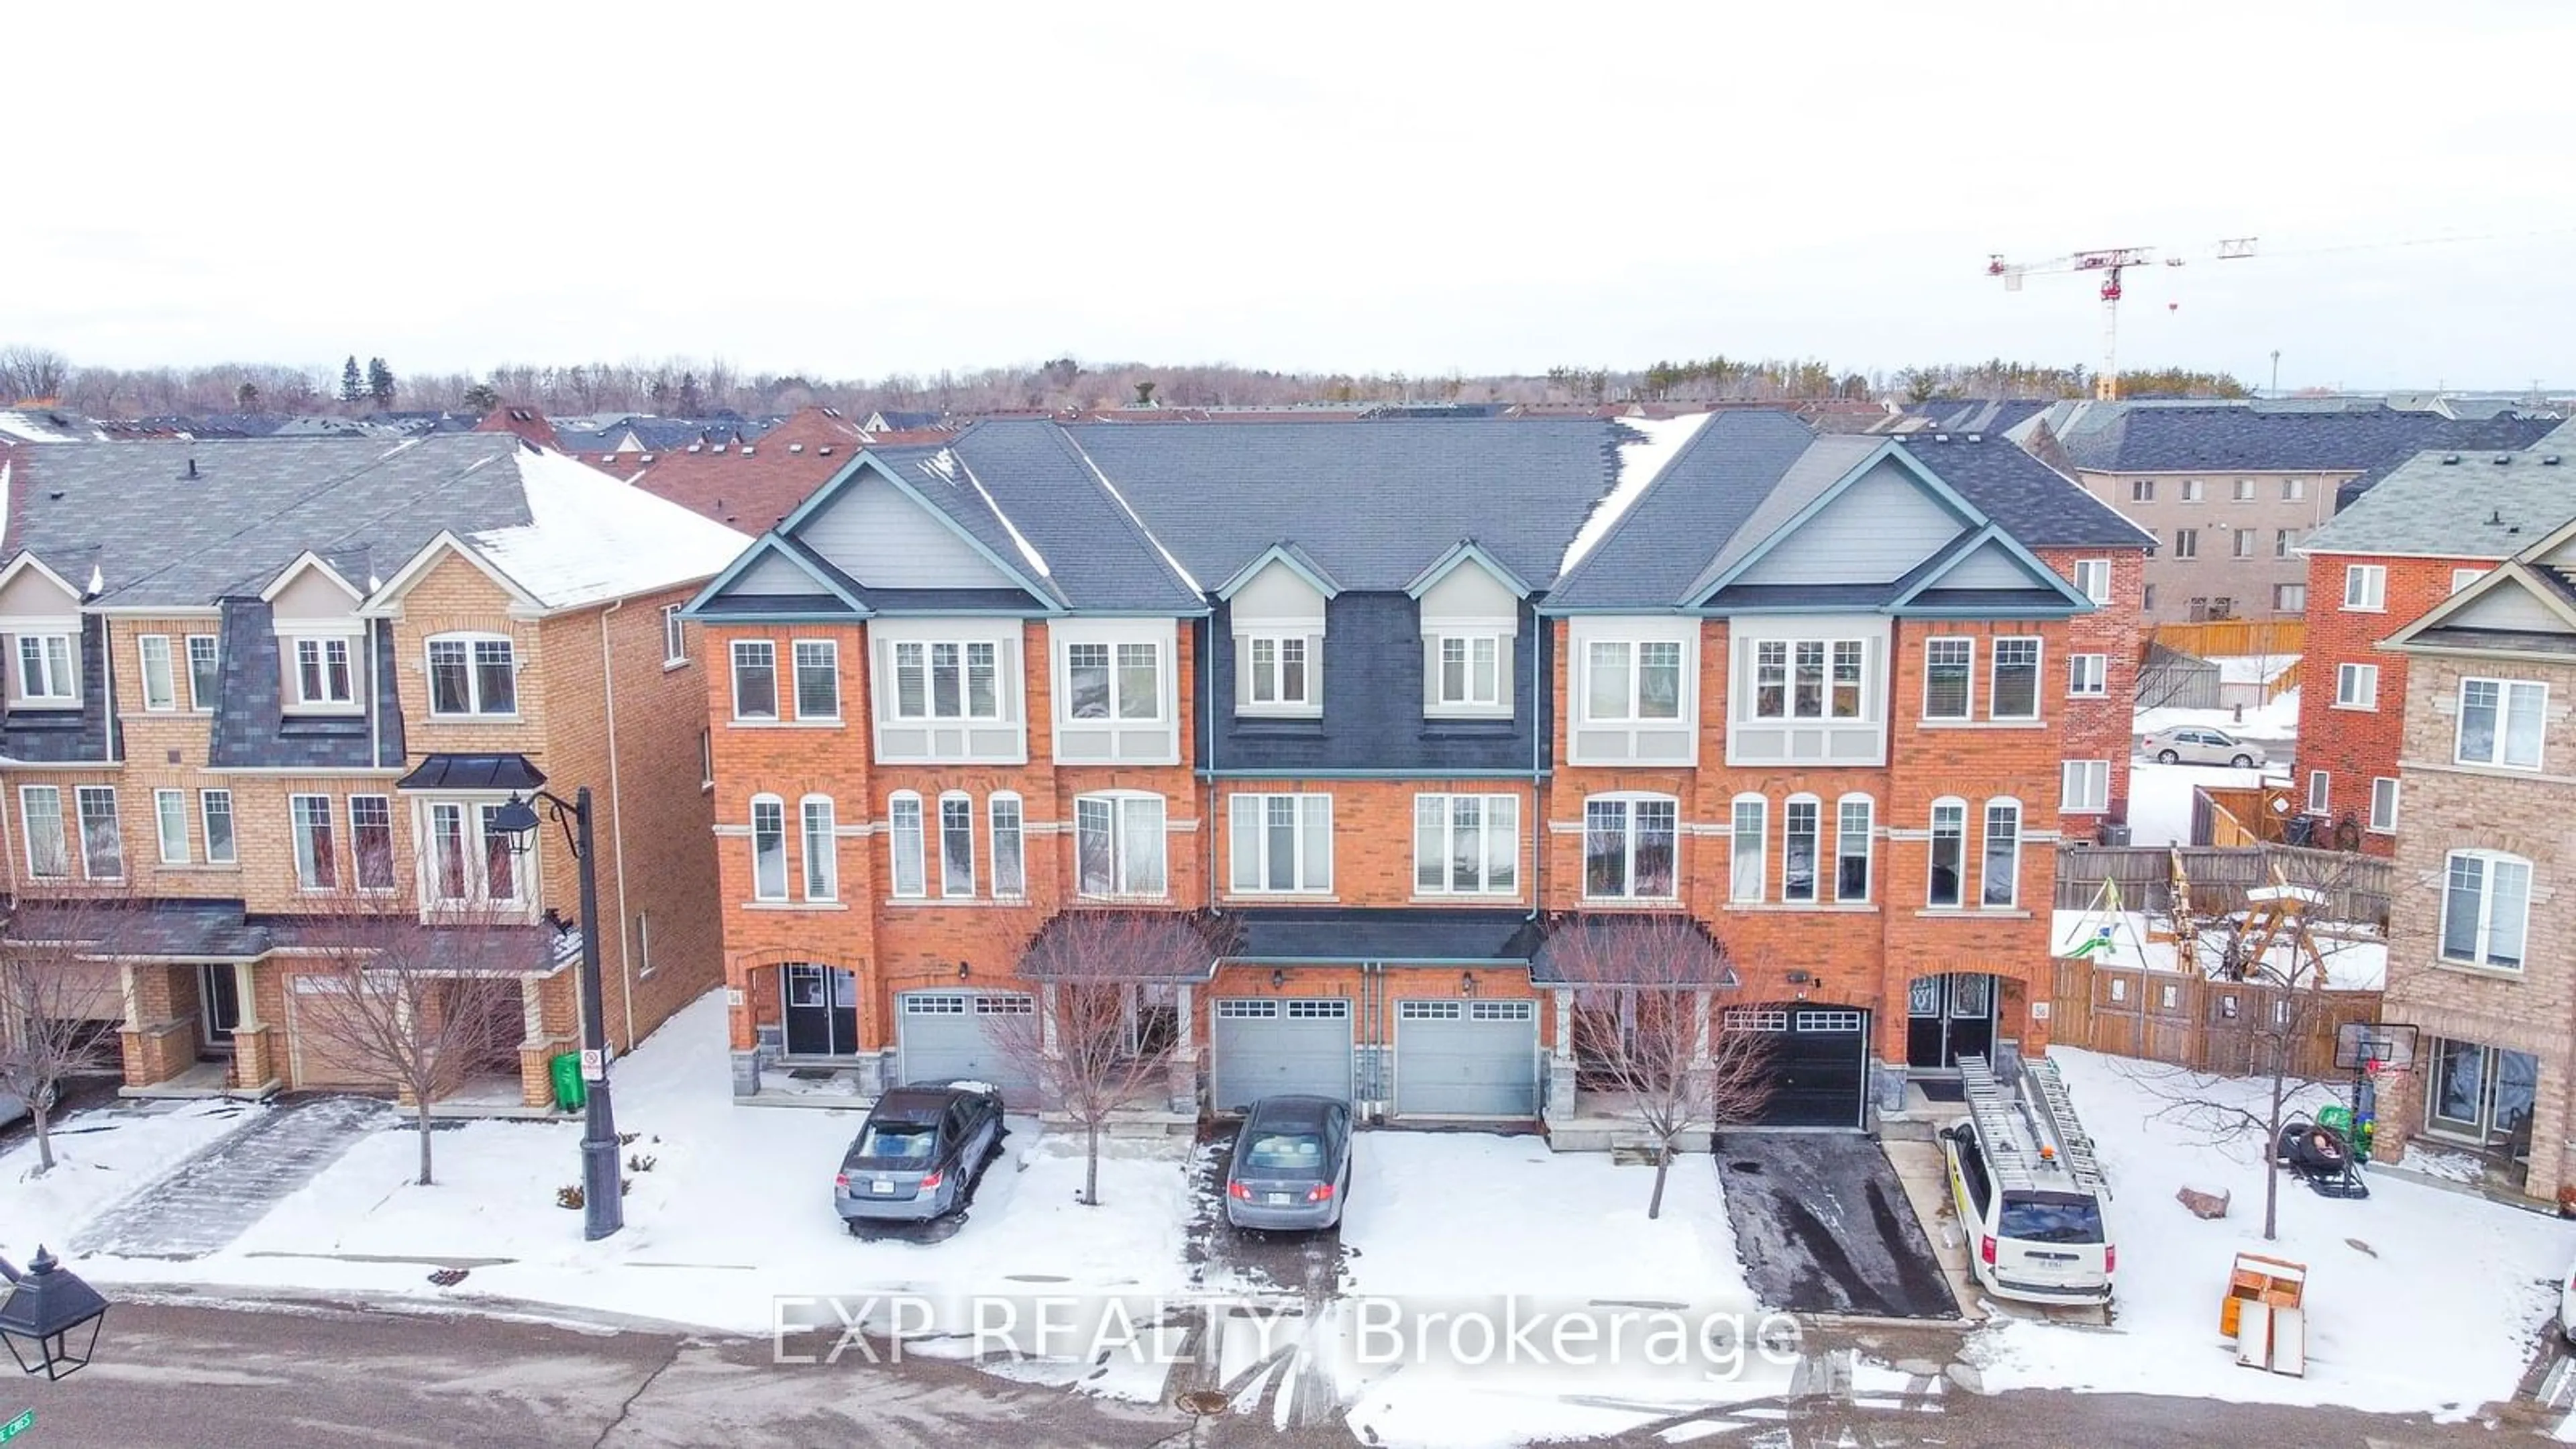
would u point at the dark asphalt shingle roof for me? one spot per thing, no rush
(473, 772)
(2039, 506)
(1705, 493)
(2253, 438)
(63, 736)
(1398, 935)
(1096, 555)
(2425, 506)
(252, 729)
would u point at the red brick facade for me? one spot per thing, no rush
(2355, 746)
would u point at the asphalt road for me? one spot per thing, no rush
(217, 1378)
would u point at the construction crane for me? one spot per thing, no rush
(2111, 262)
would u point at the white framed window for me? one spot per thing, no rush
(937, 679)
(1629, 847)
(2501, 722)
(822, 842)
(2142, 490)
(1471, 673)
(2001, 879)
(325, 674)
(1279, 674)
(643, 944)
(2365, 587)
(45, 674)
(2383, 804)
(1802, 679)
(675, 639)
(371, 840)
(2486, 906)
(768, 848)
(1010, 864)
(1949, 678)
(706, 759)
(2356, 686)
(1633, 679)
(2289, 598)
(170, 817)
(317, 857)
(2245, 538)
(905, 834)
(40, 810)
(2191, 490)
(956, 844)
(215, 814)
(1801, 825)
(755, 679)
(1949, 853)
(2282, 538)
(203, 676)
(2084, 787)
(1280, 844)
(1118, 845)
(818, 678)
(2088, 674)
(470, 860)
(2186, 542)
(1750, 821)
(2462, 578)
(2293, 489)
(473, 674)
(2244, 490)
(1466, 845)
(160, 677)
(1855, 821)
(1113, 680)
(2320, 792)
(2093, 577)
(2014, 693)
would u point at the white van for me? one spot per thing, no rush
(2027, 1189)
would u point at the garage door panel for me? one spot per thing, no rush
(1275, 1046)
(1819, 1063)
(945, 1036)
(1466, 1059)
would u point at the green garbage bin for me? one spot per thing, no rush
(566, 1071)
(2337, 1118)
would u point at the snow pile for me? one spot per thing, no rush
(2353, 963)
(1639, 464)
(2419, 1299)
(591, 537)
(101, 1158)
(2160, 798)
(2276, 721)
(2252, 668)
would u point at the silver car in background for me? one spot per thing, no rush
(2200, 745)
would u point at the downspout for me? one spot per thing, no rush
(616, 823)
(375, 701)
(107, 681)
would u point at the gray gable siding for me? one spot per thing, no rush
(1884, 524)
(773, 576)
(251, 727)
(1992, 566)
(881, 538)
(2507, 606)
(1373, 688)
(67, 736)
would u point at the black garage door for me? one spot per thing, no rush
(1819, 1063)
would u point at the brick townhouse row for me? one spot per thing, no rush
(263, 693)
(1387, 705)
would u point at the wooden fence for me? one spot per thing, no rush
(2357, 887)
(2214, 637)
(2189, 1021)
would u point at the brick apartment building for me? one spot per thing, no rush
(256, 687)
(1385, 705)
(2428, 529)
(2482, 945)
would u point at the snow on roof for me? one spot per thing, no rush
(27, 428)
(946, 462)
(593, 537)
(1639, 463)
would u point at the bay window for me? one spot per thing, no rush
(947, 680)
(1113, 681)
(1633, 679)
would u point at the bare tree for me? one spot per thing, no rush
(419, 1001)
(1100, 1036)
(59, 1001)
(1644, 992)
(33, 374)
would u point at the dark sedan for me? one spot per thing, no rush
(1291, 1167)
(917, 1154)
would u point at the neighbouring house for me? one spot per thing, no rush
(259, 689)
(627, 445)
(2482, 952)
(2433, 526)
(1382, 707)
(2231, 489)
(752, 485)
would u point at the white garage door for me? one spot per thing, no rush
(1274, 1046)
(947, 1036)
(1466, 1058)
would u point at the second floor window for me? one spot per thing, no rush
(2088, 674)
(1278, 673)
(371, 840)
(1113, 681)
(2002, 879)
(1745, 854)
(317, 861)
(170, 818)
(473, 677)
(40, 810)
(102, 836)
(818, 679)
(2365, 587)
(1470, 671)
(956, 845)
(755, 679)
(1281, 843)
(45, 670)
(1118, 845)
(1799, 826)
(1949, 677)
(1466, 844)
(470, 861)
(215, 812)
(947, 680)
(323, 677)
(1807, 678)
(2016, 683)
(2486, 903)
(1628, 848)
(202, 676)
(1949, 852)
(1853, 826)
(1639, 679)
(2093, 577)
(160, 677)
(769, 849)
(2500, 722)
(675, 637)
(2357, 686)
(2084, 786)
(1010, 868)
(822, 849)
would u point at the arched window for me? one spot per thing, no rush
(956, 844)
(1801, 828)
(768, 848)
(1010, 868)
(1752, 821)
(1855, 822)
(903, 834)
(822, 849)
(2001, 882)
(1949, 852)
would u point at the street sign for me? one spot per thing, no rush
(594, 1065)
(25, 1421)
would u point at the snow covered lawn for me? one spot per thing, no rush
(2276, 720)
(102, 1157)
(2418, 1299)
(2160, 797)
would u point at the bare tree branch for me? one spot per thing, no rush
(57, 992)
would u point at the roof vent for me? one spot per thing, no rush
(824, 451)
(694, 447)
(2449, 459)
(2496, 519)
(2503, 458)
(1940, 437)
(647, 458)
(192, 467)
(796, 447)
(1976, 437)
(56, 495)
(746, 450)
(2549, 460)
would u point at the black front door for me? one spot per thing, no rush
(1949, 1017)
(219, 997)
(821, 1011)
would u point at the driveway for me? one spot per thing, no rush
(1308, 1265)
(1823, 1226)
(212, 1198)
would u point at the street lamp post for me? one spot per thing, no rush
(44, 1313)
(602, 1197)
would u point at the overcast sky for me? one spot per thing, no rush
(851, 189)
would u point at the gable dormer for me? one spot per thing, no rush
(1275, 609)
(886, 536)
(314, 611)
(40, 614)
(1469, 608)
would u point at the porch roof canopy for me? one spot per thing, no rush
(1430, 936)
(1629, 950)
(220, 931)
(1113, 943)
(473, 772)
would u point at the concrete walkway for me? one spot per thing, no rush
(214, 1197)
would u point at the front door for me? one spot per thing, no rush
(219, 1002)
(822, 1010)
(1949, 1017)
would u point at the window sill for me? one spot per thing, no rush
(970, 902)
(2094, 694)
(667, 666)
(2479, 970)
(44, 706)
(1257, 725)
(321, 711)
(795, 906)
(1119, 899)
(785, 724)
(200, 867)
(475, 719)
(1981, 724)
(2354, 708)
(1466, 898)
(1826, 908)
(2364, 609)
(1640, 902)
(1972, 913)
(1277, 898)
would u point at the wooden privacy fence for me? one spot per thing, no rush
(2211, 638)
(2190, 1021)
(2357, 887)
